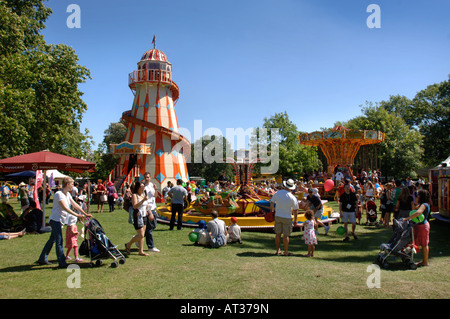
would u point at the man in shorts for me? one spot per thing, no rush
(347, 209)
(286, 204)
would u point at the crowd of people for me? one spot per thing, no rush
(397, 200)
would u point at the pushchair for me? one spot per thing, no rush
(371, 211)
(97, 246)
(400, 245)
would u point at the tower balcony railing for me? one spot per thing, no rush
(155, 76)
(148, 75)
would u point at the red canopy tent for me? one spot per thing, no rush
(44, 161)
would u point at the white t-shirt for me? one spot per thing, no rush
(369, 192)
(58, 214)
(144, 206)
(234, 231)
(150, 189)
(286, 203)
(216, 227)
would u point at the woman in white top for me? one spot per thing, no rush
(62, 206)
(140, 206)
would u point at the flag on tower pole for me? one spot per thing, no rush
(154, 41)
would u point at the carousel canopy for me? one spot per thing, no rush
(340, 145)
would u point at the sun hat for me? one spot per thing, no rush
(290, 184)
(201, 224)
(233, 219)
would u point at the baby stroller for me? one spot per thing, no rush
(97, 246)
(401, 245)
(371, 211)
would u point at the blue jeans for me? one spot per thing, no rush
(55, 237)
(149, 231)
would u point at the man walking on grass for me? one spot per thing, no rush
(347, 209)
(286, 204)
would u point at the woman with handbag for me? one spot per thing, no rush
(138, 214)
(112, 195)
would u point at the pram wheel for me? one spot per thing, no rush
(114, 264)
(99, 262)
(412, 266)
(121, 261)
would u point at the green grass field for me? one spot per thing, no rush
(250, 270)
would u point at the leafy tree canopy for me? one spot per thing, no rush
(40, 103)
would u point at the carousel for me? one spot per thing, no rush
(340, 146)
(244, 200)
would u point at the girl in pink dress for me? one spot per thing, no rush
(72, 237)
(309, 233)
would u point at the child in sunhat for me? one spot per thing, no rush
(234, 231)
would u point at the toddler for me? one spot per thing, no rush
(72, 237)
(234, 231)
(309, 234)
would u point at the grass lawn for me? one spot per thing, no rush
(250, 270)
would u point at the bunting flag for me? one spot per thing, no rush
(38, 183)
(52, 181)
(154, 41)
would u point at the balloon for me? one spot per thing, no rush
(328, 185)
(418, 219)
(270, 217)
(340, 230)
(193, 237)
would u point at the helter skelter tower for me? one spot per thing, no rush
(152, 142)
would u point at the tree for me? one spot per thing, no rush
(40, 103)
(293, 158)
(105, 162)
(432, 107)
(401, 151)
(207, 158)
(429, 113)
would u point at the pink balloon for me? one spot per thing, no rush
(328, 185)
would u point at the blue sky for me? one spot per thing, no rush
(237, 62)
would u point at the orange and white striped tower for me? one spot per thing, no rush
(152, 142)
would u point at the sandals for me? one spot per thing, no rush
(280, 253)
(421, 264)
